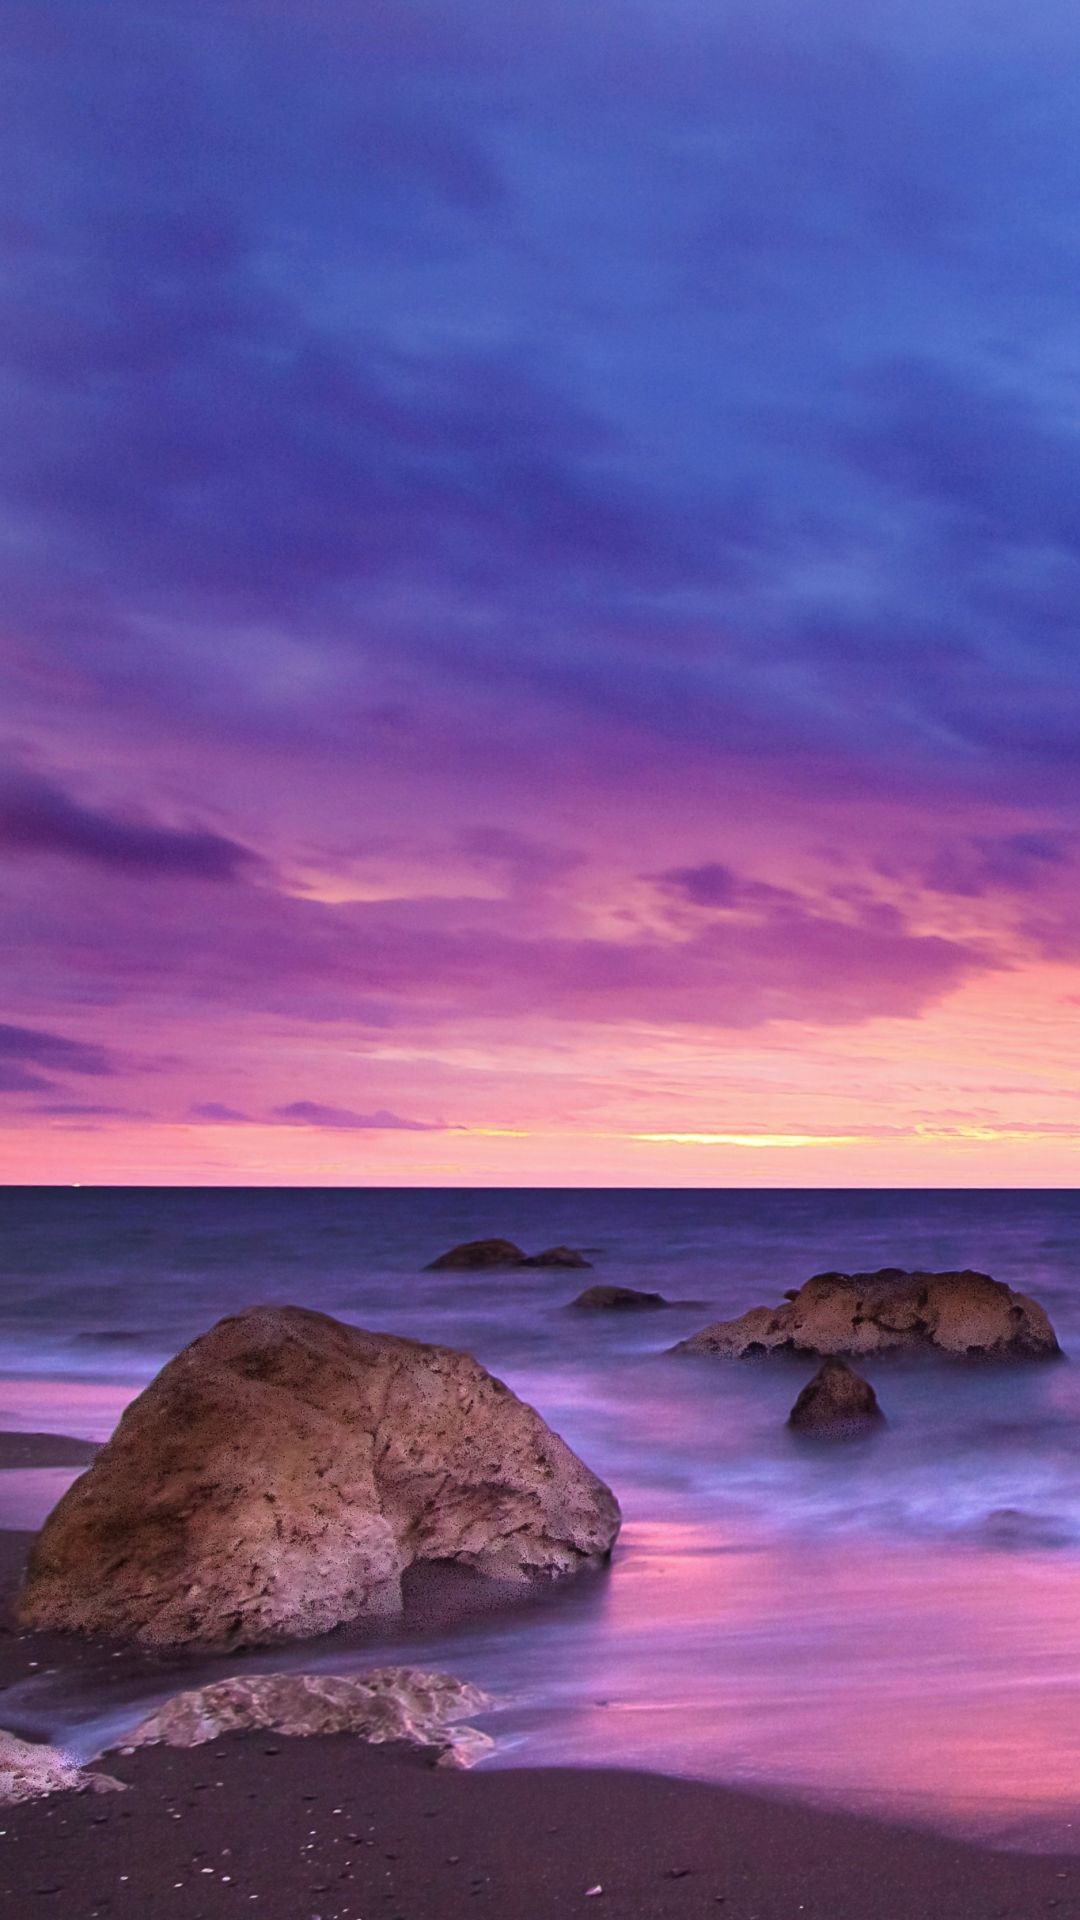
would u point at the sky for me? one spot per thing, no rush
(540, 633)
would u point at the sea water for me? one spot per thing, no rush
(892, 1625)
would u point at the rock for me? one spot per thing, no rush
(279, 1475)
(388, 1703)
(29, 1771)
(861, 1313)
(617, 1299)
(1014, 1530)
(837, 1403)
(474, 1255)
(557, 1257)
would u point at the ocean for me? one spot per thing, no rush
(892, 1626)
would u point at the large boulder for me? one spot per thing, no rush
(388, 1703)
(617, 1300)
(282, 1472)
(862, 1313)
(836, 1404)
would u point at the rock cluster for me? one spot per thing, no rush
(388, 1703)
(282, 1472)
(473, 1256)
(863, 1313)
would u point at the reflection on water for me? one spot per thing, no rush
(894, 1625)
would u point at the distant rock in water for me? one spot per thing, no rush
(837, 1404)
(474, 1255)
(1014, 1530)
(281, 1473)
(388, 1703)
(557, 1257)
(861, 1313)
(45, 1450)
(617, 1299)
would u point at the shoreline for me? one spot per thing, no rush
(328, 1828)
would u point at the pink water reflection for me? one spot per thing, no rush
(943, 1685)
(87, 1409)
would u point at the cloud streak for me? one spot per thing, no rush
(37, 817)
(313, 1113)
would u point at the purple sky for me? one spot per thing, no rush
(541, 549)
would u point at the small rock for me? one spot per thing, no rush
(617, 1299)
(557, 1257)
(474, 1255)
(30, 1771)
(837, 1403)
(387, 1703)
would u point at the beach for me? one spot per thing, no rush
(829, 1682)
(329, 1829)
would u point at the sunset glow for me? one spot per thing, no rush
(538, 633)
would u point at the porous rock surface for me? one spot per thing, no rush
(617, 1299)
(837, 1403)
(281, 1473)
(387, 1703)
(879, 1312)
(29, 1771)
(473, 1256)
(862, 1313)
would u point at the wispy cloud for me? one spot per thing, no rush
(37, 817)
(312, 1113)
(52, 1050)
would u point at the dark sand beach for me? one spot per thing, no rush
(330, 1829)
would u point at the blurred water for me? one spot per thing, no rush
(895, 1624)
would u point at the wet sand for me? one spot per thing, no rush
(328, 1829)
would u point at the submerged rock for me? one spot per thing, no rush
(279, 1475)
(1014, 1530)
(474, 1255)
(29, 1771)
(388, 1703)
(837, 1403)
(617, 1299)
(861, 1313)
